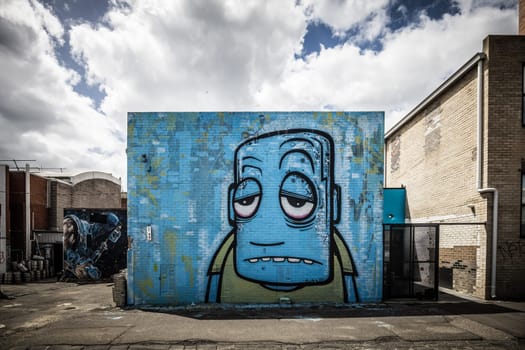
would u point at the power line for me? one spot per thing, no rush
(17, 160)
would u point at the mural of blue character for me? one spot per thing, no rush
(80, 254)
(283, 207)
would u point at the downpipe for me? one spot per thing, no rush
(494, 238)
(481, 190)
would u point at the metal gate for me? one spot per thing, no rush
(411, 261)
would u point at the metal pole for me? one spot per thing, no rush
(28, 212)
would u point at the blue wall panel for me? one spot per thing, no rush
(394, 205)
(255, 207)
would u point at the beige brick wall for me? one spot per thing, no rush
(434, 156)
(441, 178)
(437, 157)
(435, 160)
(93, 193)
(60, 199)
(96, 193)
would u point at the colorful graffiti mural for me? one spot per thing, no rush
(255, 207)
(95, 243)
(283, 206)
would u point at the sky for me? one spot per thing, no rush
(71, 70)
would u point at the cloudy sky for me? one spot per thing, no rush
(72, 69)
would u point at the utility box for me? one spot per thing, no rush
(255, 208)
(394, 207)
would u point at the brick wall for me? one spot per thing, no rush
(434, 156)
(39, 203)
(506, 151)
(461, 262)
(60, 199)
(96, 193)
(209, 218)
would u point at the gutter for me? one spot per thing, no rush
(479, 179)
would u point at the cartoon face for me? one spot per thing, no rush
(283, 206)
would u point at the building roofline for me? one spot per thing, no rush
(91, 175)
(442, 88)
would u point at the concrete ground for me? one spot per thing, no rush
(51, 315)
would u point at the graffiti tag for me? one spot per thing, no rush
(512, 250)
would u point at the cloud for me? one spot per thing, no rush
(192, 55)
(210, 55)
(343, 15)
(413, 62)
(42, 117)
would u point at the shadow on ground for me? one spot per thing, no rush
(447, 305)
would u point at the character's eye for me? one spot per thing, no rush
(246, 198)
(296, 208)
(297, 196)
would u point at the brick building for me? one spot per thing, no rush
(32, 209)
(460, 155)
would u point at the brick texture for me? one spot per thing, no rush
(96, 193)
(434, 156)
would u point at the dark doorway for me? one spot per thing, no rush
(410, 268)
(58, 260)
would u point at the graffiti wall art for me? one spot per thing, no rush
(255, 207)
(95, 243)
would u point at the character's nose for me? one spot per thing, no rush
(266, 244)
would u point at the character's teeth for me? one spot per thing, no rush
(280, 259)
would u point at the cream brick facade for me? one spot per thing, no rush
(433, 153)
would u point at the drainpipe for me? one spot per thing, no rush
(481, 190)
(28, 212)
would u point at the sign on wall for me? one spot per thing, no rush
(255, 207)
(95, 243)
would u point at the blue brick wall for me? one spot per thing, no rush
(255, 207)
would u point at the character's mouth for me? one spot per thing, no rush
(281, 259)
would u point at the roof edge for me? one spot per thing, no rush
(430, 98)
(91, 175)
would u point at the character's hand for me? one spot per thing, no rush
(115, 234)
(86, 270)
(80, 271)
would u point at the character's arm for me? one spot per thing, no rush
(351, 289)
(213, 288)
(348, 268)
(213, 293)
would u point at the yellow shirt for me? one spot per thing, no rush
(234, 289)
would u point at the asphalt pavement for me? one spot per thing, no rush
(57, 315)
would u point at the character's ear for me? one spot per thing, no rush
(231, 213)
(336, 204)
